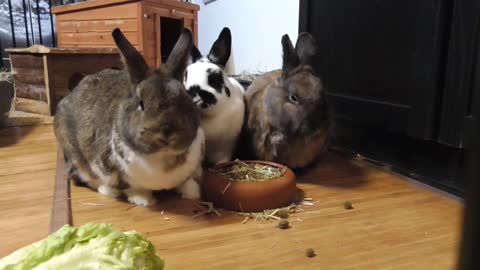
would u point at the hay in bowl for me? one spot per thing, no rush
(251, 172)
(250, 186)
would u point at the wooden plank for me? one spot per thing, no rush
(151, 62)
(188, 24)
(29, 75)
(141, 30)
(88, 5)
(32, 106)
(192, 26)
(60, 81)
(195, 28)
(47, 73)
(393, 223)
(96, 38)
(126, 11)
(60, 92)
(61, 209)
(59, 33)
(65, 69)
(174, 4)
(99, 46)
(27, 171)
(170, 13)
(158, 38)
(31, 91)
(126, 25)
(149, 37)
(21, 55)
(26, 61)
(87, 64)
(19, 118)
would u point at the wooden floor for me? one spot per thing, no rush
(396, 224)
(27, 173)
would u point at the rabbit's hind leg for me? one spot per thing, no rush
(190, 189)
(109, 181)
(80, 174)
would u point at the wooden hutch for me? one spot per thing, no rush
(152, 26)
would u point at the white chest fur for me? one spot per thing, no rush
(147, 171)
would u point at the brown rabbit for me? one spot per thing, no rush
(287, 118)
(133, 131)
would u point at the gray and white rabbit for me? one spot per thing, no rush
(219, 97)
(130, 132)
(288, 120)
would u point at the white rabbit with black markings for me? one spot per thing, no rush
(219, 97)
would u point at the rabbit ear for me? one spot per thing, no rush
(221, 49)
(290, 57)
(178, 59)
(306, 47)
(131, 58)
(195, 54)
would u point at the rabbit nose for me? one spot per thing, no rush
(161, 141)
(168, 132)
(293, 126)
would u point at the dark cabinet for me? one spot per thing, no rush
(459, 108)
(406, 72)
(406, 66)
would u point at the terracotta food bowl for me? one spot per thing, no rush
(249, 196)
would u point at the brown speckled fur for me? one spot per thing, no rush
(278, 129)
(109, 101)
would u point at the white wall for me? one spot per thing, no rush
(257, 27)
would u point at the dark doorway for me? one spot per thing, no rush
(170, 32)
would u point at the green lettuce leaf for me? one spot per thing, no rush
(92, 246)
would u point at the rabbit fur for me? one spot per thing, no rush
(219, 98)
(288, 120)
(130, 132)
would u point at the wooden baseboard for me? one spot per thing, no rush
(61, 206)
(17, 118)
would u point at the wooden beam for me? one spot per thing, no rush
(61, 207)
(88, 5)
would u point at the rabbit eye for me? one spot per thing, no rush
(293, 99)
(140, 106)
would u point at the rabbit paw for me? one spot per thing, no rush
(109, 191)
(140, 197)
(190, 189)
(277, 138)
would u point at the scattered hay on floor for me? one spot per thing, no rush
(206, 208)
(269, 215)
(279, 213)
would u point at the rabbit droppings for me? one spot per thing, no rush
(134, 131)
(288, 119)
(219, 98)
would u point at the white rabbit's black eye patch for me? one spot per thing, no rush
(215, 80)
(207, 99)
